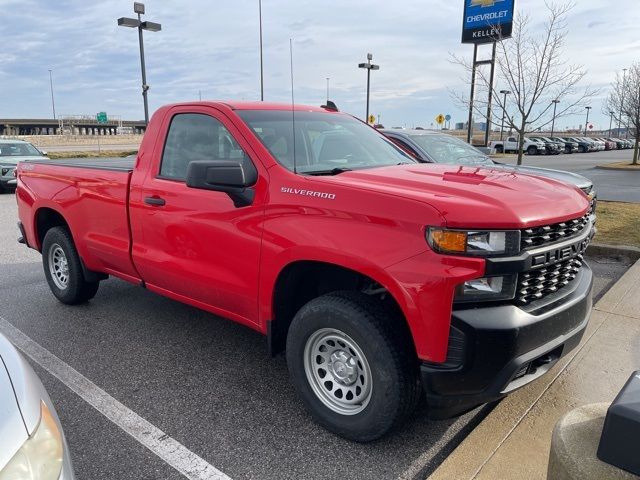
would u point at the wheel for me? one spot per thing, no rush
(582, 149)
(63, 269)
(499, 149)
(355, 372)
(532, 150)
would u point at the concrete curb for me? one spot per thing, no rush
(492, 450)
(604, 250)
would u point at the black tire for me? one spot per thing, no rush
(532, 150)
(582, 149)
(76, 289)
(499, 149)
(388, 351)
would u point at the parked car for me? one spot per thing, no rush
(620, 144)
(11, 152)
(530, 147)
(436, 147)
(598, 146)
(584, 146)
(608, 144)
(32, 443)
(382, 278)
(569, 145)
(551, 146)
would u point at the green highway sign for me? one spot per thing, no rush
(101, 117)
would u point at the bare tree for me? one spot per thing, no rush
(624, 102)
(531, 66)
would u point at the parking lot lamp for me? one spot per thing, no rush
(53, 103)
(140, 25)
(553, 121)
(504, 107)
(586, 124)
(369, 66)
(612, 113)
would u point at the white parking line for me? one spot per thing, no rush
(172, 452)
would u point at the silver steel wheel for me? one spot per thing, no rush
(58, 266)
(338, 371)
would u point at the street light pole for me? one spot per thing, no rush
(612, 113)
(504, 108)
(261, 58)
(369, 66)
(553, 121)
(140, 25)
(624, 81)
(53, 103)
(328, 78)
(587, 122)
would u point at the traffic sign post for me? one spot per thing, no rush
(101, 117)
(372, 119)
(440, 119)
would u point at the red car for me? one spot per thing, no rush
(383, 279)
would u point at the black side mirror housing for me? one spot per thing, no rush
(230, 177)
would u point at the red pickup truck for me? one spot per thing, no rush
(383, 279)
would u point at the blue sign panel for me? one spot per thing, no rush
(487, 20)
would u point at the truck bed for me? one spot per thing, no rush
(121, 164)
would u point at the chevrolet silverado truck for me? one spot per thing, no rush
(384, 280)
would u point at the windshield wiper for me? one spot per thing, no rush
(333, 171)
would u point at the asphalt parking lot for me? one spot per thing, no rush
(205, 381)
(614, 185)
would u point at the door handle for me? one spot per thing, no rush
(155, 201)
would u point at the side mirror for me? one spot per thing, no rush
(43, 152)
(230, 177)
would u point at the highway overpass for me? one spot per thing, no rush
(71, 125)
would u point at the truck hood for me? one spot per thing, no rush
(568, 177)
(475, 197)
(13, 161)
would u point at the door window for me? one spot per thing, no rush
(195, 136)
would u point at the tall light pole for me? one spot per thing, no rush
(369, 66)
(586, 124)
(612, 113)
(328, 78)
(553, 121)
(624, 81)
(140, 25)
(504, 108)
(261, 59)
(53, 103)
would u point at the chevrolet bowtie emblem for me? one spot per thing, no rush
(484, 3)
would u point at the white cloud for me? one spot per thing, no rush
(212, 47)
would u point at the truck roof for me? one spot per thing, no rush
(244, 105)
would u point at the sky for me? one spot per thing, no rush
(211, 48)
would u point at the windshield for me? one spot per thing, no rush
(18, 150)
(325, 143)
(452, 150)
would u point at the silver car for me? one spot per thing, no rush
(12, 152)
(32, 444)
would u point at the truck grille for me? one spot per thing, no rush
(541, 236)
(539, 283)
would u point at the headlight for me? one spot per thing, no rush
(482, 243)
(487, 289)
(40, 457)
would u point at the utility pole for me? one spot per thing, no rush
(624, 82)
(53, 103)
(586, 125)
(261, 58)
(328, 78)
(612, 113)
(504, 108)
(553, 121)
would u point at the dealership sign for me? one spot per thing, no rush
(486, 20)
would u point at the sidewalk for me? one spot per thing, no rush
(513, 441)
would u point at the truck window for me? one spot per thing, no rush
(195, 136)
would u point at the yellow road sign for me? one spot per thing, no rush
(372, 119)
(440, 119)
